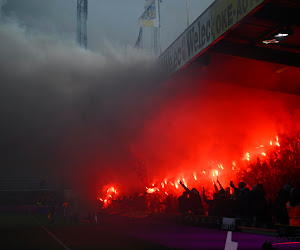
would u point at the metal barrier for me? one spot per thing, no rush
(294, 214)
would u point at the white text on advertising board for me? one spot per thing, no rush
(226, 13)
(188, 45)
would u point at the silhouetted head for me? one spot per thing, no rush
(242, 185)
(194, 191)
(287, 187)
(222, 193)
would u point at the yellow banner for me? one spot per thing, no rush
(226, 13)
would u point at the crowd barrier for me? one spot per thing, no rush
(294, 215)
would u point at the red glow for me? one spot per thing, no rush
(206, 126)
(111, 190)
(152, 190)
(199, 119)
(192, 176)
(247, 156)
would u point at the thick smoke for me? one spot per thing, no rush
(2, 3)
(66, 112)
(86, 119)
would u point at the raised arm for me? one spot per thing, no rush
(220, 185)
(232, 185)
(185, 187)
(246, 182)
(216, 188)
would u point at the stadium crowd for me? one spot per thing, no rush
(265, 192)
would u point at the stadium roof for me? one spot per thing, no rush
(247, 38)
(238, 33)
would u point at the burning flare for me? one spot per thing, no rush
(195, 177)
(152, 190)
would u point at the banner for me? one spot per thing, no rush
(208, 27)
(150, 16)
(226, 13)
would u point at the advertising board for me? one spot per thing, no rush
(207, 28)
(226, 13)
(196, 38)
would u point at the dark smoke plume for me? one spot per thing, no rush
(69, 114)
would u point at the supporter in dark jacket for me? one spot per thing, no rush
(170, 204)
(195, 201)
(183, 203)
(258, 203)
(222, 204)
(242, 202)
(280, 211)
(211, 203)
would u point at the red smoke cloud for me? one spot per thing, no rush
(202, 122)
(216, 117)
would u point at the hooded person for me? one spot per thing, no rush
(257, 203)
(280, 210)
(196, 202)
(183, 203)
(242, 204)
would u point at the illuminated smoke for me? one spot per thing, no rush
(88, 118)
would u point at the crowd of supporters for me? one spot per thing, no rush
(265, 191)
